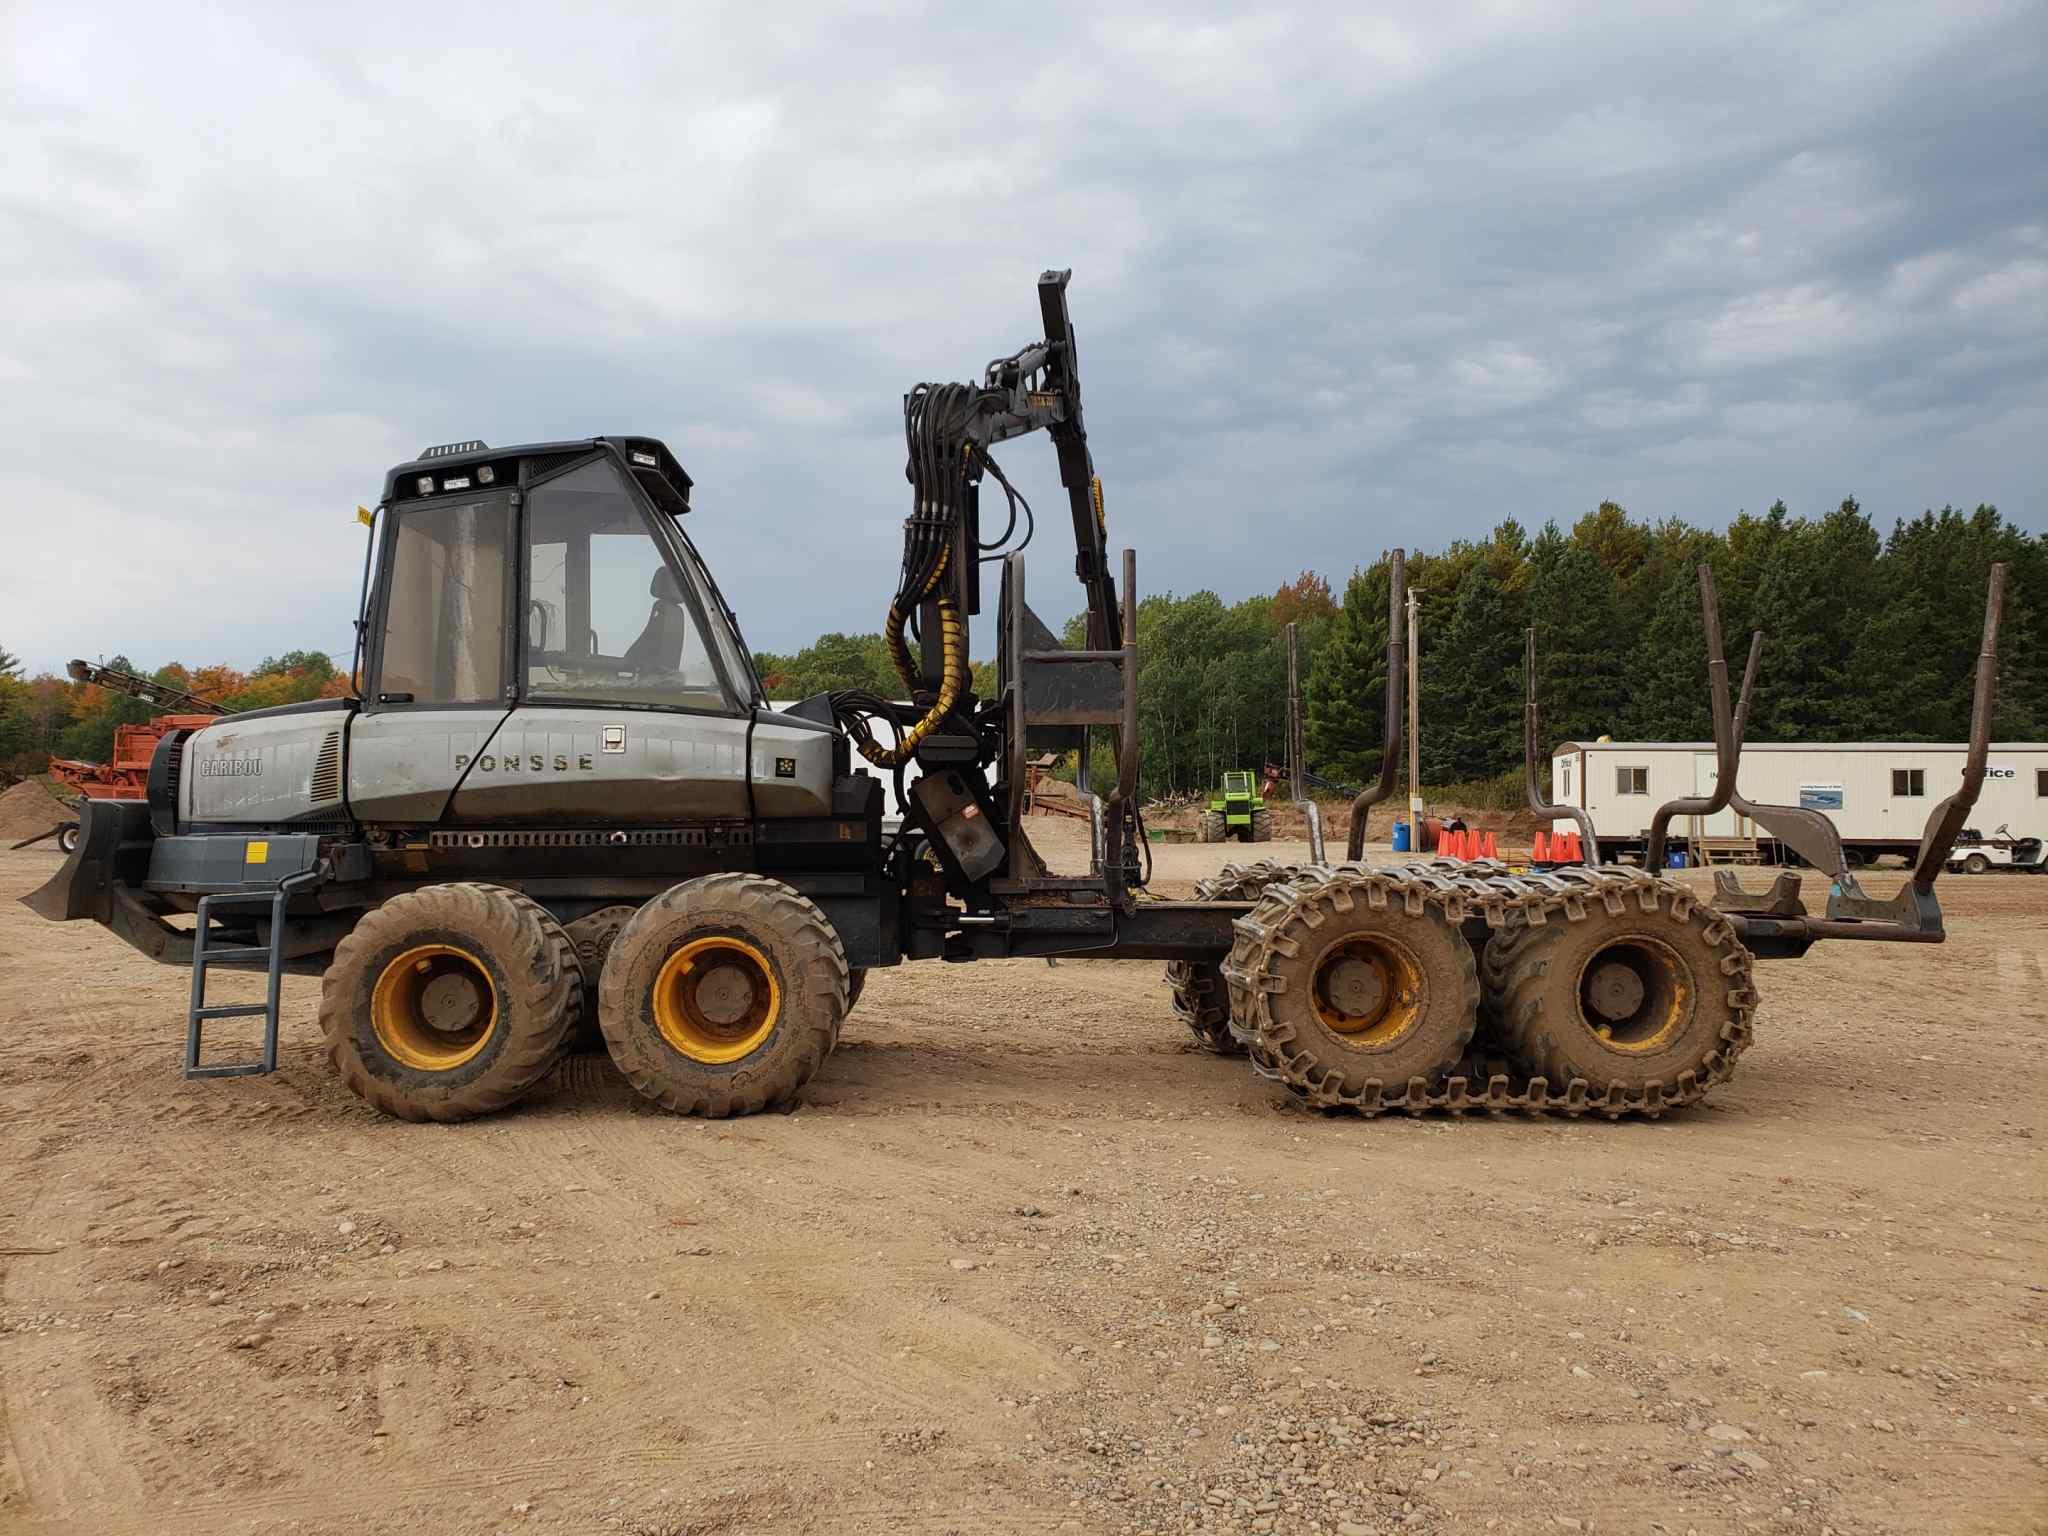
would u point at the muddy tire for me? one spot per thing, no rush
(1200, 999)
(1648, 990)
(1262, 826)
(450, 1002)
(593, 936)
(1343, 980)
(724, 995)
(1210, 827)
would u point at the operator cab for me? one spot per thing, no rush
(552, 573)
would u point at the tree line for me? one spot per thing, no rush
(1871, 636)
(49, 716)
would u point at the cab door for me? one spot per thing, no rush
(627, 712)
(438, 663)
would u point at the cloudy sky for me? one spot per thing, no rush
(1343, 279)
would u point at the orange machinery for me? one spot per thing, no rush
(126, 776)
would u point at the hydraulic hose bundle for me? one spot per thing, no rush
(944, 464)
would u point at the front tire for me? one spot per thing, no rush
(450, 1002)
(724, 995)
(67, 837)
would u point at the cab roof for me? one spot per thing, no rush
(647, 459)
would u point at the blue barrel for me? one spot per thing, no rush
(1400, 837)
(1676, 859)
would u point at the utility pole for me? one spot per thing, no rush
(1414, 736)
(1295, 765)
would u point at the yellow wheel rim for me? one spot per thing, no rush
(1635, 995)
(434, 1007)
(1367, 991)
(716, 999)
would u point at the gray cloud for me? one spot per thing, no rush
(1339, 283)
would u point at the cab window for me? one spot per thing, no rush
(444, 609)
(607, 617)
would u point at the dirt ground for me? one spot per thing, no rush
(1024, 1261)
(29, 808)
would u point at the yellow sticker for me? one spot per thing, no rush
(258, 852)
(363, 516)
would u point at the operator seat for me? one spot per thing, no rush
(660, 646)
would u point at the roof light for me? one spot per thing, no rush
(442, 450)
(455, 483)
(485, 474)
(426, 485)
(646, 458)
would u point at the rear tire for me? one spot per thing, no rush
(1210, 827)
(1976, 864)
(1200, 999)
(724, 995)
(1342, 983)
(593, 936)
(450, 1002)
(67, 837)
(1623, 999)
(1262, 826)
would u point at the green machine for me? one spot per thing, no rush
(1237, 812)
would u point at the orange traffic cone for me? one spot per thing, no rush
(1572, 853)
(1489, 847)
(1539, 853)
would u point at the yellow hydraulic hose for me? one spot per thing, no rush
(952, 644)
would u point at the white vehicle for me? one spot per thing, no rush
(1976, 854)
(1878, 794)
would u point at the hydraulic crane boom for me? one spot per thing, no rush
(172, 701)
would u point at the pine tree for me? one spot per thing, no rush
(1345, 694)
(1472, 720)
(1667, 675)
(1815, 600)
(1915, 662)
(1579, 644)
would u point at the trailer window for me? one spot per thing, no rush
(444, 604)
(2041, 783)
(607, 617)
(1909, 783)
(1631, 781)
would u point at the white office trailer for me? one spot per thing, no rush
(1878, 794)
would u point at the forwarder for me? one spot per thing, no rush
(1236, 811)
(561, 792)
